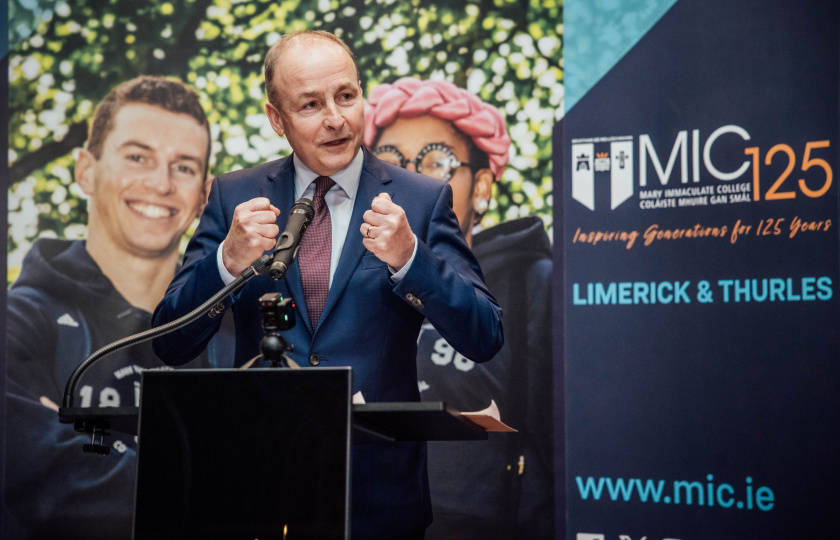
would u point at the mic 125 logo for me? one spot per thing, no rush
(795, 171)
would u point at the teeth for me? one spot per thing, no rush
(151, 210)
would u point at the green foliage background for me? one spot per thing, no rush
(509, 52)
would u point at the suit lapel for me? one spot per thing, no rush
(371, 183)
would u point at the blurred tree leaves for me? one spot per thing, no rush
(509, 52)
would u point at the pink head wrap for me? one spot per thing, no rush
(411, 98)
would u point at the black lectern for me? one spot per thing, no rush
(258, 454)
(232, 454)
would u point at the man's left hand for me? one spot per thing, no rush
(387, 233)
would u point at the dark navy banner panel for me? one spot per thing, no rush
(700, 289)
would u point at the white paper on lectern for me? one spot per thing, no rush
(490, 418)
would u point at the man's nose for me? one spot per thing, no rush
(159, 180)
(332, 116)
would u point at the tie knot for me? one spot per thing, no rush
(322, 185)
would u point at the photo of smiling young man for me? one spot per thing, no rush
(144, 169)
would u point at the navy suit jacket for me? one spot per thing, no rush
(369, 323)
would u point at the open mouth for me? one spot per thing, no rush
(337, 142)
(152, 211)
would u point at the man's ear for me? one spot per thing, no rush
(208, 182)
(84, 171)
(275, 119)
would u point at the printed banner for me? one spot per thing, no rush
(67, 193)
(700, 239)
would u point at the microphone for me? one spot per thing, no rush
(286, 250)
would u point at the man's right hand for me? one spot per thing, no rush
(252, 232)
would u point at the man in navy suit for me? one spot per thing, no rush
(397, 257)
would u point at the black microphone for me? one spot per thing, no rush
(286, 250)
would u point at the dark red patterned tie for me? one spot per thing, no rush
(315, 251)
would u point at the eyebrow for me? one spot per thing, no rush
(143, 146)
(315, 93)
(349, 86)
(134, 143)
(307, 95)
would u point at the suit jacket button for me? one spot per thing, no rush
(314, 359)
(415, 302)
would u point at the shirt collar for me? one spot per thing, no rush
(347, 179)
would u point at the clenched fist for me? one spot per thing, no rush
(252, 232)
(387, 233)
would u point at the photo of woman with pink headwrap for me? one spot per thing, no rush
(503, 487)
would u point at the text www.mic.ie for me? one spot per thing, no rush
(746, 496)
